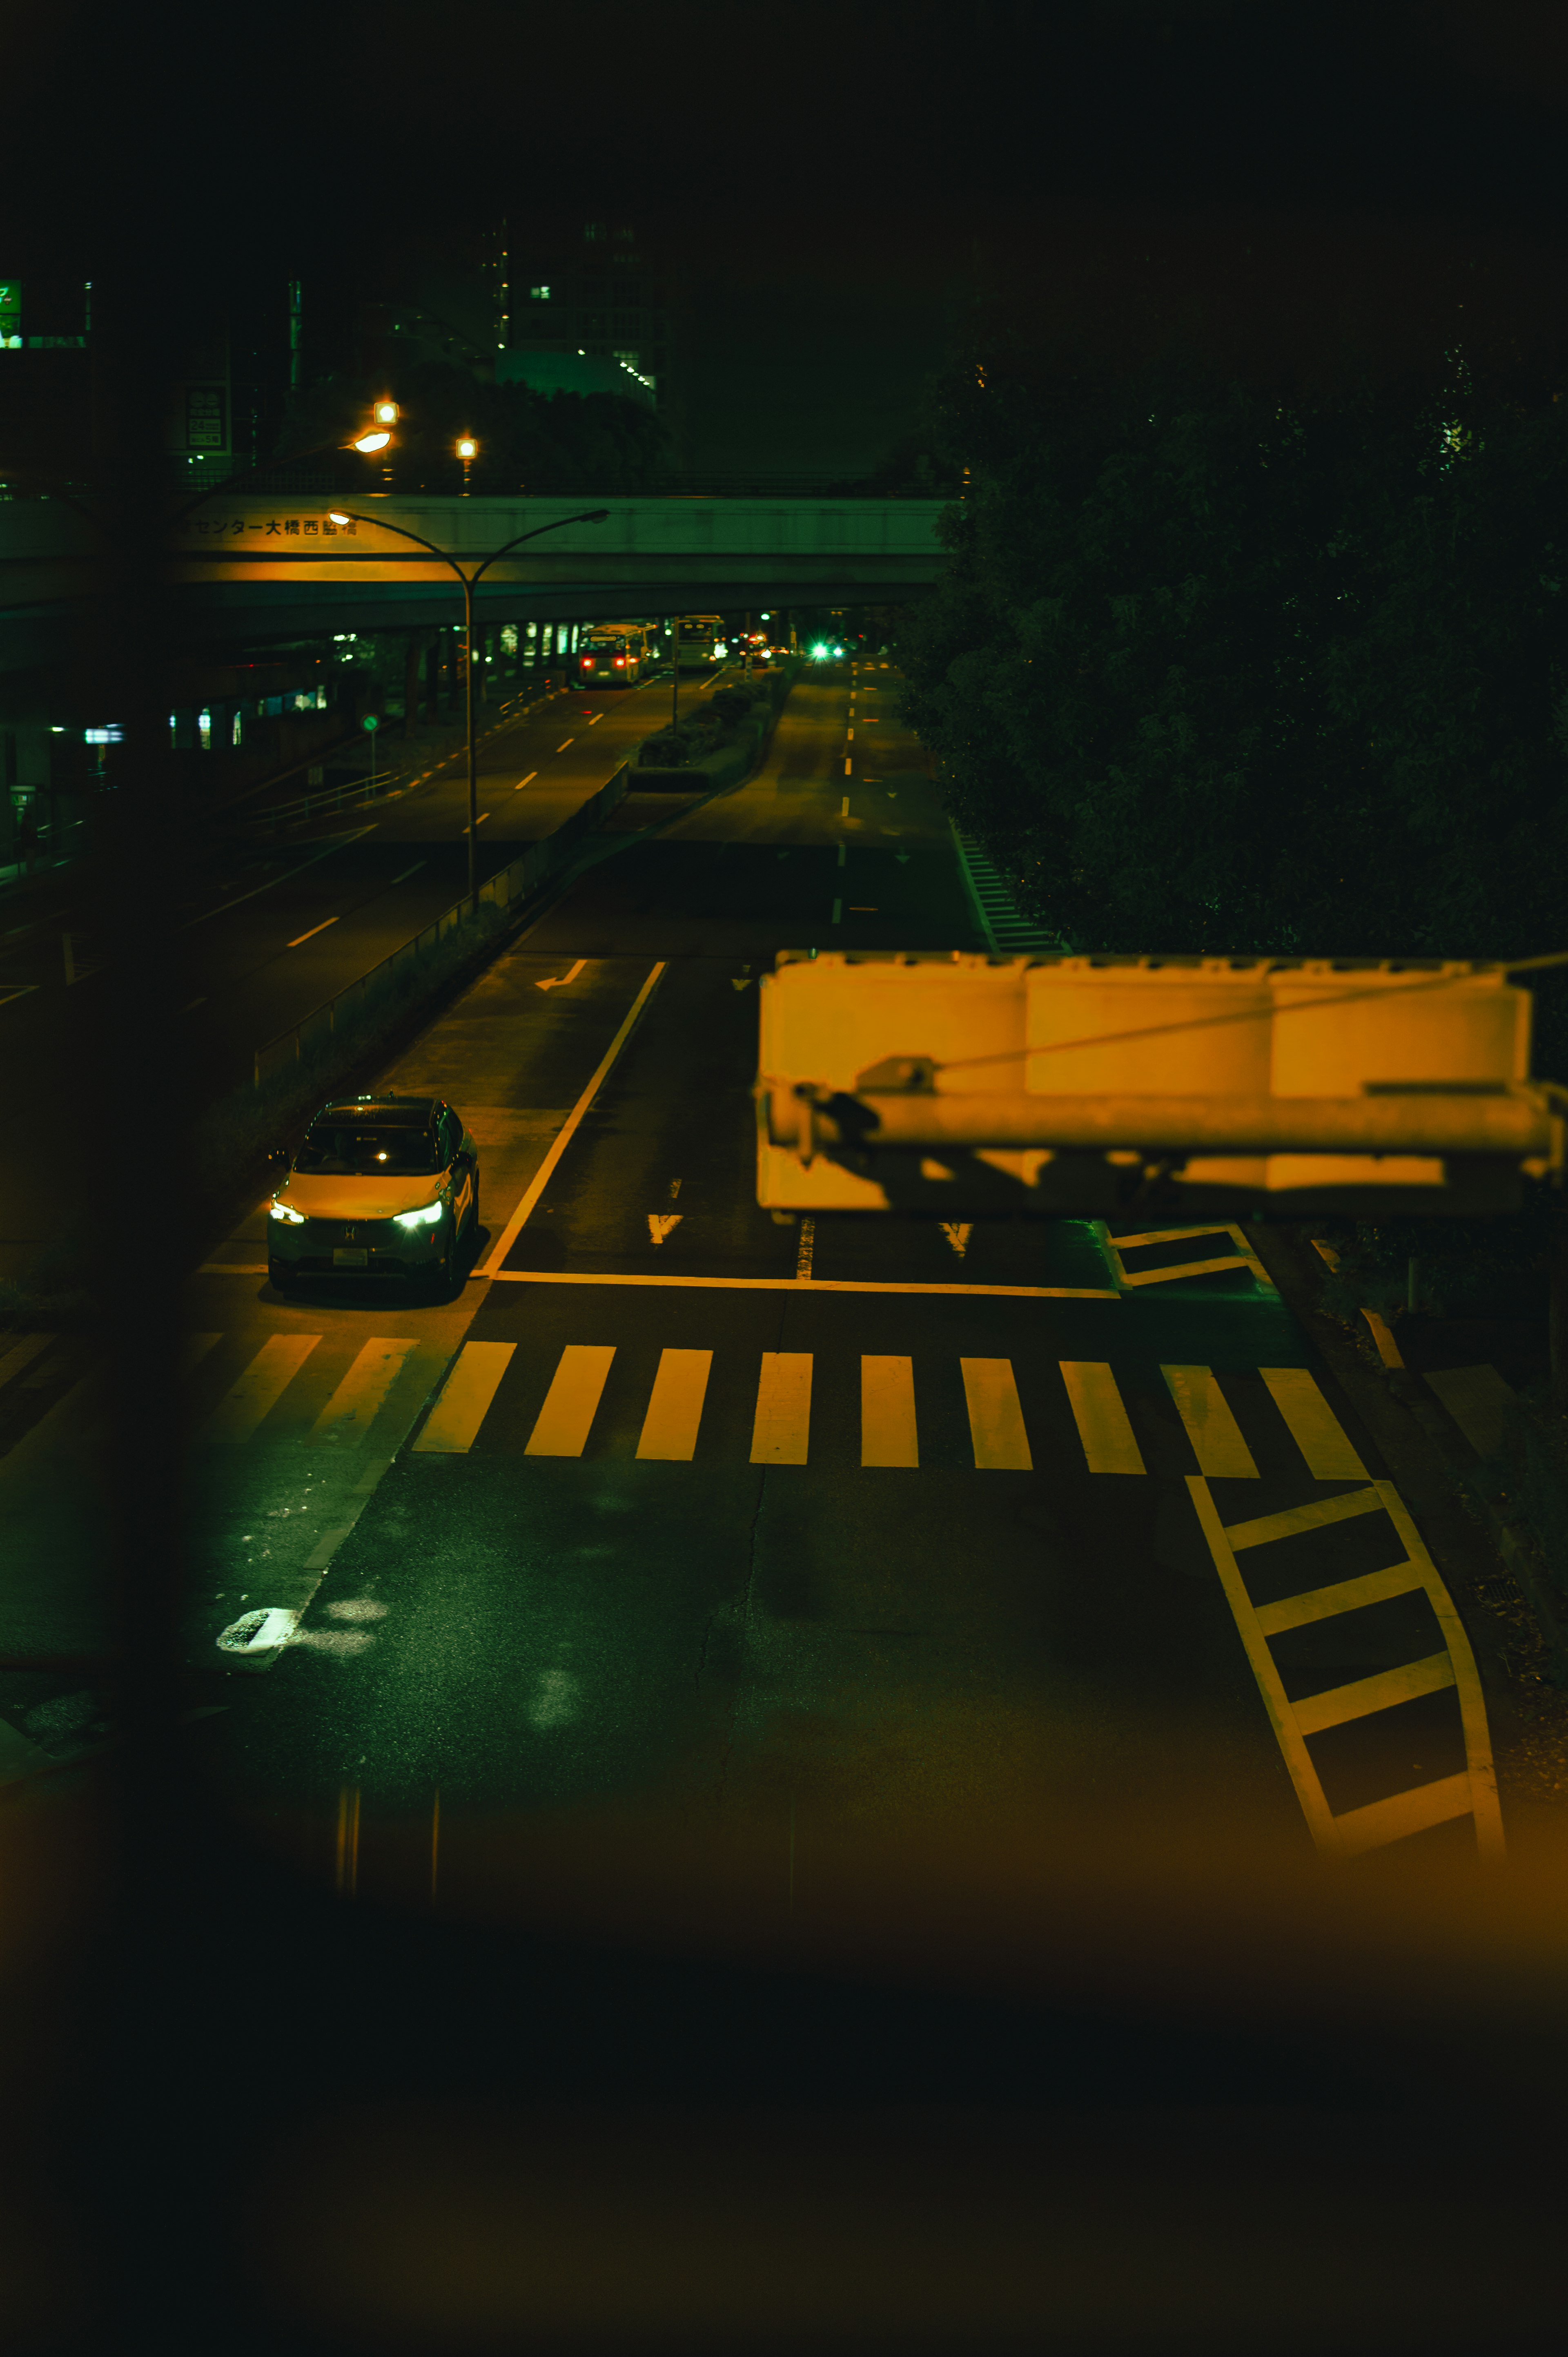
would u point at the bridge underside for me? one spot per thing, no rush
(260, 609)
(266, 569)
(210, 613)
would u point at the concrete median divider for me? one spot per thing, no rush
(724, 764)
(295, 1069)
(500, 895)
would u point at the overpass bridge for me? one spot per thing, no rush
(254, 567)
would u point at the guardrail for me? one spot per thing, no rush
(511, 885)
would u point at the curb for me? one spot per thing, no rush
(1453, 1452)
(527, 913)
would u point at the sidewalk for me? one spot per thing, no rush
(1433, 1439)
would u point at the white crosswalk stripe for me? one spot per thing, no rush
(1017, 1419)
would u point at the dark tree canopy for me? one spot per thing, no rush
(1220, 668)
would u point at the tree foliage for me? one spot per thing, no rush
(1218, 667)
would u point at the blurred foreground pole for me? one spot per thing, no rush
(1559, 1301)
(127, 1110)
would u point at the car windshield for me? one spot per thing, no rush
(367, 1151)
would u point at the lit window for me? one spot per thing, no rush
(238, 729)
(539, 294)
(508, 637)
(204, 728)
(172, 732)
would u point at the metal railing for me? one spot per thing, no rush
(507, 888)
(351, 792)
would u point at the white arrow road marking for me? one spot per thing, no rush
(661, 1223)
(957, 1233)
(556, 979)
(740, 982)
(902, 858)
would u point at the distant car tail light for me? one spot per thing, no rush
(620, 663)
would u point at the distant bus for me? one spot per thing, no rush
(701, 641)
(614, 654)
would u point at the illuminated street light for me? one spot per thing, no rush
(470, 581)
(369, 442)
(467, 450)
(385, 413)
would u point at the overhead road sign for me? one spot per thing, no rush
(1100, 1087)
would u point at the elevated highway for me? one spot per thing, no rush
(258, 566)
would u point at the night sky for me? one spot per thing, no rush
(840, 182)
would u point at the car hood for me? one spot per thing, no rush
(353, 1197)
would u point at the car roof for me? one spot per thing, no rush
(385, 1112)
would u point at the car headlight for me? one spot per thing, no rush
(286, 1213)
(425, 1218)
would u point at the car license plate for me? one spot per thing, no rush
(351, 1256)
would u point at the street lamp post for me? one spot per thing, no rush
(376, 436)
(470, 582)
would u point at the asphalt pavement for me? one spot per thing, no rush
(272, 926)
(683, 1526)
(684, 1531)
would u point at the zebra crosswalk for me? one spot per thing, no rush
(780, 1385)
(772, 1406)
(682, 1405)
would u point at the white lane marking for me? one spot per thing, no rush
(789, 1285)
(310, 936)
(232, 1268)
(1109, 1445)
(841, 851)
(560, 748)
(350, 1413)
(465, 1401)
(996, 1416)
(675, 1407)
(1216, 1437)
(407, 873)
(568, 1129)
(525, 782)
(596, 720)
(260, 1388)
(848, 766)
(837, 916)
(334, 843)
(558, 981)
(1317, 1432)
(660, 1224)
(22, 1354)
(563, 1422)
(482, 817)
(957, 1233)
(780, 1431)
(889, 1433)
(804, 1251)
